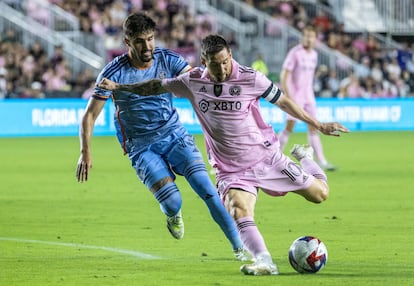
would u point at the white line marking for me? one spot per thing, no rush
(77, 245)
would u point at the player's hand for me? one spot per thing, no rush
(82, 170)
(333, 129)
(107, 84)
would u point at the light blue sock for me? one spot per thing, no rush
(169, 198)
(202, 185)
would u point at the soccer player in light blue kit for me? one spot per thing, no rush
(150, 132)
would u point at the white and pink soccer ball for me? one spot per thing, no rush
(308, 254)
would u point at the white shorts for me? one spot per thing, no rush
(276, 175)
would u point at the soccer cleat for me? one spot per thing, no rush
(263, 266)
(175, 225)
(242, 254)
(302, 151)
(327, 166)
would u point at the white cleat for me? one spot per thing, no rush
(300, 152)
(175, 225)
(242, 254)
(263, 266)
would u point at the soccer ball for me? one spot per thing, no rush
(308, 254)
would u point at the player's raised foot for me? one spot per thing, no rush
(327, 166)
(175, 225)
(242, 254)
(302, 151)
(263, 266)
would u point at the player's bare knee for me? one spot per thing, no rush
(237, 210)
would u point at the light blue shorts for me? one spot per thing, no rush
(170, 154)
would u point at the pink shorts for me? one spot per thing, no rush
(276, 176)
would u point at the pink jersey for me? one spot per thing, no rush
(235, 133)
(302, 65)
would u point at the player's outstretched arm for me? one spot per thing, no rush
(330, 128)
(85, 132)
(150, 87)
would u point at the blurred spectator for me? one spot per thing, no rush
(326, 83)
(11, 92)
(83, 81)
(350, 87)
(37, 10)
(173, 8)
(372, 88)
(408, 79)
(332, 84)
(319, 84)
(376, 72)
(231, 40)
(54, 81)
(37, 51)
(372, 46)
(404, 56)
(392, 68)
(10, 36)
(360, 44)
(322, 22)
(260, 65)
(3, 83)
(389, 88)
(57, 56)
(36, 90)
(89, 91)
(276, 25)
(363, 69)
(28, 67)
(205, 25)
(334, 41)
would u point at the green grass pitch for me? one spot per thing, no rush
(110, 231)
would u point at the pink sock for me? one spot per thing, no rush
(315, 142)
(313, 168)
(250, 235)
(283, 138)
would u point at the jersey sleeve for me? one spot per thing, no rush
(290, 61)
(177, 63)
(99, 93)
(179, 86)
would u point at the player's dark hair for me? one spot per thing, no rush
(212, 44)
(138, 23)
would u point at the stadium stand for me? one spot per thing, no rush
(65, 42)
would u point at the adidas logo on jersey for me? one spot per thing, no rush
(203, 89)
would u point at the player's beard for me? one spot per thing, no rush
(146, 56)
(308, 45)
(221, 78)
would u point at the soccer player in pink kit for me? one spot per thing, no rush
(297, 82)
(242, 148)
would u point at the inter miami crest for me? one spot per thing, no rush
(235, 90)
(218, 88)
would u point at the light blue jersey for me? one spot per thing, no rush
(143, 116)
